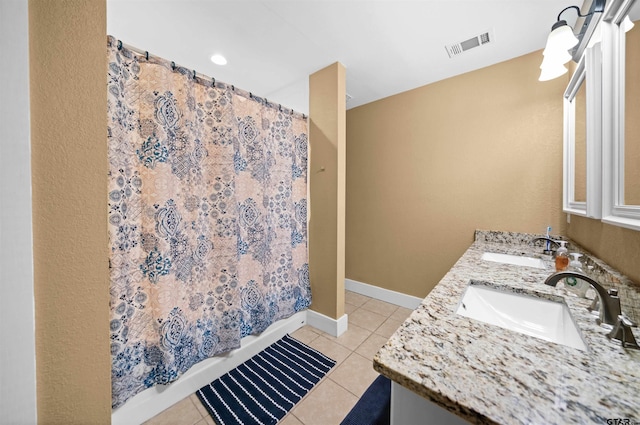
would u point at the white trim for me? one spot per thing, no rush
(617, 220)
(17, 350)
(334, 327)
(393, 297)
(152, 401)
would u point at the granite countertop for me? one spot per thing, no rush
(487, 374)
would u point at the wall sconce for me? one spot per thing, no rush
(563, 45)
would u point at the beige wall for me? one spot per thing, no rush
(69, 174)
(327, 104)
(616, 246)
(632, 112)
(427, 167)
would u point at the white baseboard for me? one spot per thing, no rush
(147, 404)
(393, 297)
(334, 327)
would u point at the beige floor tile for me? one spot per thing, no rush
(305, 334)
(290, 419)
(354, 298)
(401, 313)
(327, 404)
(355, 374)
(371, 345)
(330, 349)
(352, 338)
(207, 421)
(196, 401)
(366, 319)
(350, 308)
(389, 327)
(380, 307)
(182, 413)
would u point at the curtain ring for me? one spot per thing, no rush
(213, 82)
(173, 65)
(119, 45)
(146, 54)
(194, 74)
(250, 95)
(280, 108)
(233, 88)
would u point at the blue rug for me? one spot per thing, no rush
(263, 389)
(374, 407)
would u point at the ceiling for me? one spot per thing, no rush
(387, 46)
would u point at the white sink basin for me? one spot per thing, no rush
(516, 260)
(538, 317)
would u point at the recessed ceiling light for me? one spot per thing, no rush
(218, 59)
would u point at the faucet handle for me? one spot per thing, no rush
(622, 332)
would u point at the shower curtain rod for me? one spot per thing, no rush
(196, 75)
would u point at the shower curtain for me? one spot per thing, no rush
(207, 218)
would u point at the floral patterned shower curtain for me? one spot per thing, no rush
(207, 218)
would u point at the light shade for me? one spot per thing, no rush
(561, 36)
(552, 71)
(554, 55)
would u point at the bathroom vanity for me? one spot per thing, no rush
(446, 367)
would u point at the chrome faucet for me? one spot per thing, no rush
(609, 300)
(543, 238)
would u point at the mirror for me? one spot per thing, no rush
(621, 154)
(582, 137)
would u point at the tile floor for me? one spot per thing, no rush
(371, 323)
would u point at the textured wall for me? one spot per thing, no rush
(327, 103)
(69, 172)
(616, 246)
(632, 112)
(427, 167)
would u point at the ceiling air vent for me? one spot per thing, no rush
(463, 46)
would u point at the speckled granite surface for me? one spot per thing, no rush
(487, 374)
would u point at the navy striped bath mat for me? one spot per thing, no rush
(263, 389)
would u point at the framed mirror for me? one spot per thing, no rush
(621, 153)
(583, 137)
